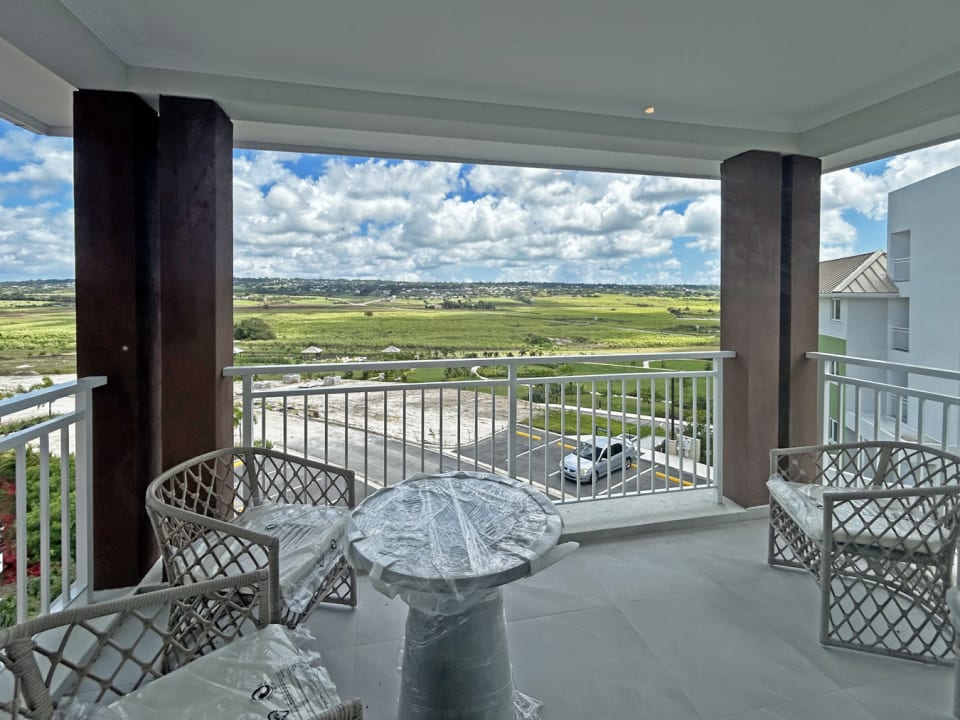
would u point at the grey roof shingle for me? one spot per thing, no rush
(864, 273)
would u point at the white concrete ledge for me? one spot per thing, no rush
(620, 517)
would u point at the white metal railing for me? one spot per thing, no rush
(900, 338)
(493, 414)
(63, 428)
(880, 400)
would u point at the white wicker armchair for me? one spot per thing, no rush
(238, 509)
(100, 653)
(877, 524)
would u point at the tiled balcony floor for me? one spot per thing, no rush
(685, 625)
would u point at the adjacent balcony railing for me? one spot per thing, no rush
(519, 416)
(878, 400)
(900, 339)
(48, 443)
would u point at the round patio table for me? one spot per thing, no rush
(445, 544)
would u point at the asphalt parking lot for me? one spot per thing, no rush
(539, 453)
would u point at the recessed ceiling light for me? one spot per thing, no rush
(650, 110)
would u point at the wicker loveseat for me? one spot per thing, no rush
(152, 654)
(877, 525)
(242, 508)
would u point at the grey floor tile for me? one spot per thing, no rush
(919, 692)
(376, 680)
(591, 664)
(568, 585)
(339, 663)
(379, 618)
(689, 625)
(333, 627)
(643, 568)
(840, 705)
(790, 603)
(726, 659)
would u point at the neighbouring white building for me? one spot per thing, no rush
(900, 306)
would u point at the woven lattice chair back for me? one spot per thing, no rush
(196, 506)
(100, 652)
(878, 525)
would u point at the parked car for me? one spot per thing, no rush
(598, 455)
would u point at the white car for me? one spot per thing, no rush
(597, 456)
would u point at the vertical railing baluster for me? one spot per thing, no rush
(66, 544)
(306, 426)
(386, 439)
(20, 478)
(366, 434)
(459, 425)
(83, 466)
(246, 420)
(718, 429)
(512, 420)
(44, 523)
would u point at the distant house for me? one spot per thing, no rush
(392, 349)
(311, 352)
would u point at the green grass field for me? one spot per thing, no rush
(42, 334)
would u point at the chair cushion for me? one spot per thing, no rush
(254, 677)
(311, 543)
(864, 522)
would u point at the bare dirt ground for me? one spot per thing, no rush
(428, 415)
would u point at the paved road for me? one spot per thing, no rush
(378, 462)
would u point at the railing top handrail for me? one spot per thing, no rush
(34, 432)
(887, 365)
(25, 401)
(249, 370)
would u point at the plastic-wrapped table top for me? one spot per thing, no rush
(452, 532)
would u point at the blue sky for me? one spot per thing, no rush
(328, 216)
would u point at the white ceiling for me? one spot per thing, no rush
(543, 82)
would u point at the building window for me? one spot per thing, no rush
(904, 409)
(835, 309)
(834, 430)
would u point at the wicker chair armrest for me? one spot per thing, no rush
(47, 657)
(904, 520)
(210, 523)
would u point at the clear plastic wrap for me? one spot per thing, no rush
(445, 544)
(452, 532)
(311, 538)
(267, 674)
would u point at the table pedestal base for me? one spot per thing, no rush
(456, 666)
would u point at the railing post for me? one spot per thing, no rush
(822, 403)
(84, 479)
(246, 422)
(718, 428)
(511, 420)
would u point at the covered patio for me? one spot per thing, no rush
(765, 97)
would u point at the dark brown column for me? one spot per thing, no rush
(114, 143)
(769, 253)
(800, 297)
(195, 164)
